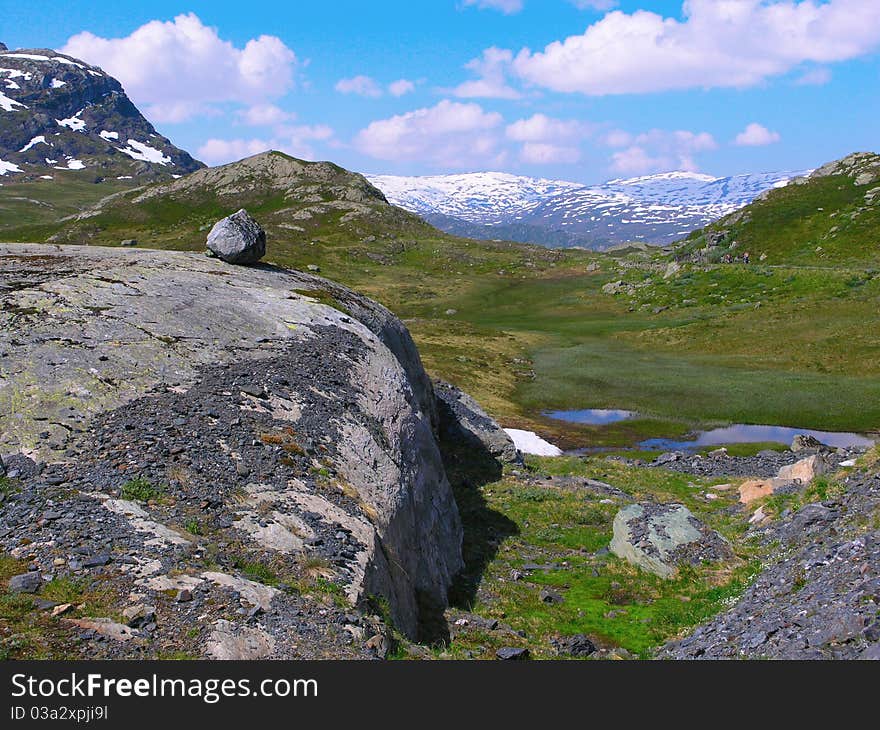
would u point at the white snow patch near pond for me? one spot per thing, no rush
(530, 443)
(104, 134)
(144, 153)
(58, 83)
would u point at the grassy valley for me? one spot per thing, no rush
(526, 329)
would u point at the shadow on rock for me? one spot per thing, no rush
(474, 449)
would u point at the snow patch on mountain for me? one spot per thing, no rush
(649, 209)
(8, 167)
(74, 122)
(7, 104)
(39, 139)
(145, 153)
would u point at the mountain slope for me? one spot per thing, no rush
(828, 217)
(653, 209)
(293, 199)
(58, 113)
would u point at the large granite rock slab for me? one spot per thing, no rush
(300, 435)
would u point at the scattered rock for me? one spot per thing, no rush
(378, 645)
(805, 442)
(229, 642)
(26, 582)
(139, 615)
(104, 627)
(659, 537)
(237, 239)
(511, 653)
(754, 489)
(550, 596)
(805, 470)
(578, 645)
(129, 242)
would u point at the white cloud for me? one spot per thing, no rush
(505, 6)
(617, 138)
(541, 128)
(658, 151)
(401, 87)
(547, 140)
(543, 153)
(360, 85)
(718, 43)
(815, 77)
(220, 151)
(756, 135)
(491, 67)
(178, 69)
(601, 5)
(450, 134)
(294, 140)
(264, 115)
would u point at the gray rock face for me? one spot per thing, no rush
(25, 583)
(237, 239)
(660, 537)
(301, 433)
(462, 417)
(819, 596)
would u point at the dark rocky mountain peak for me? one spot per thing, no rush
(60, 113)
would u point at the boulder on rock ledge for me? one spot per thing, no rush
(237, 239)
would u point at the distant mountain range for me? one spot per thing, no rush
(59, 115)
(656, 209)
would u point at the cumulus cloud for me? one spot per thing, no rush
(264, 115)
(547, 140)
(179, 69)
(658, 151)
(729, 43)
(600, 5)
(294, 140)
(544, 153)
(359, 85)
(814, 77)
(449, 134)
(756, 135)
(541, 128)
(401, 87)
(491, 67)
(507, 7)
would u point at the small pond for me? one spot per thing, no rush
(746, 434)
(591, 416)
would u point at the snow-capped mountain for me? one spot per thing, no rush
(651, 209)
(486, 198)
(58, 113)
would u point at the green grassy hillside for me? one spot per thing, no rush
(829, 218)
(786, 341)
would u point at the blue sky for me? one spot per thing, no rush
(584, 90)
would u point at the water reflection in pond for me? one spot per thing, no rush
(591, 416)
(747, 434)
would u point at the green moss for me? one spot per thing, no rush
(141, 490)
